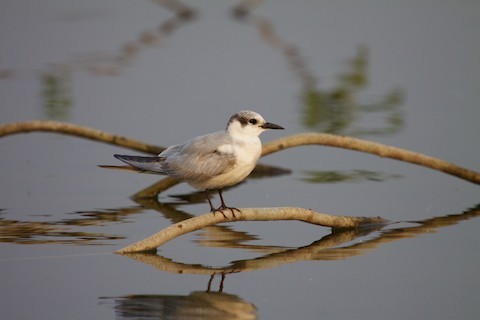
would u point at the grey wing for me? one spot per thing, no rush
(199, 159)
(147, 164)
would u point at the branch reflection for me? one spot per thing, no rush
(338, 110)
(330, 247)
(56, 96)
(219, 305)
(112, 64)
(71, 231)
(65, 231)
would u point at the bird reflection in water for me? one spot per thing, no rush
(197, 305)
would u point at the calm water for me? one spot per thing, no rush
(404, 73)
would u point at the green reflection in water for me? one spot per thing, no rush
(339, 110)
(348, 176)
(56, 97)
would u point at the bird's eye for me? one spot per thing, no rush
(253, 121)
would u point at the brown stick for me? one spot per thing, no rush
(78, 131)
(381, 150)
(301, 139)
(249, 214)
(265, 214)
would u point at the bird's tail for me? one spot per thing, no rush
(123, 168)
(143, 164)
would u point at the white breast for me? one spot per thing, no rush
(247, 152)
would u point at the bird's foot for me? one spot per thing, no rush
(213, 210)
(232, 210)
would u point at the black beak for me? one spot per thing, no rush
(269, 125)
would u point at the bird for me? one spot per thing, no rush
(212, 161)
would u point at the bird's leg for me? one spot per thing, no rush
(212, 209)
(224, 206)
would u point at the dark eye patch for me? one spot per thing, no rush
(242, 120)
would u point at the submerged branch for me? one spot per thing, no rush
(378, 149)
(77, 131)
(153, 190)
(249, 214)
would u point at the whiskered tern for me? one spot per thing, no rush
(212, 161)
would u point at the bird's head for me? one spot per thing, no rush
(249, 123)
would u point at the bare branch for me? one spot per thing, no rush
(268, 148)
(78, 131)
(330, 247)
(249, 214)
(259, 214)
(378, 149)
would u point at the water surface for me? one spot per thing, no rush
(401, 73)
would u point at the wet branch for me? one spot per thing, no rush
(249, 214)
